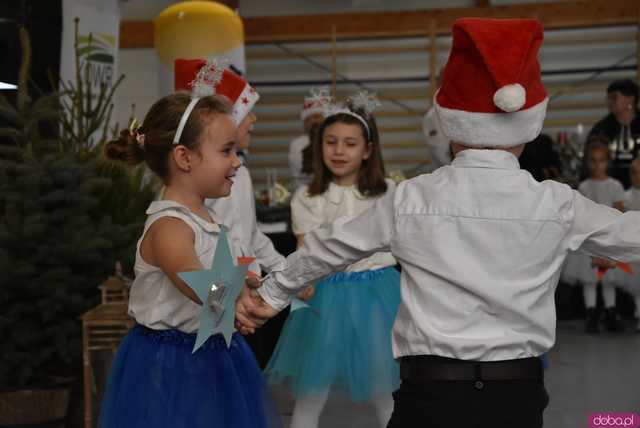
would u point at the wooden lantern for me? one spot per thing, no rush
(103, 328)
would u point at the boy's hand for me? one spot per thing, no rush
(251, 310)
(307, 293)
(253, 282)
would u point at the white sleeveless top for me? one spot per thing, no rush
(154, 300)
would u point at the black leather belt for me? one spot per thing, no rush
(423, 368)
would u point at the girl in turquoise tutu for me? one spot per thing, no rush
(344, 342)
(155, 380)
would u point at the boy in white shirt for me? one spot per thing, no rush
(631, 283)
(480, 242)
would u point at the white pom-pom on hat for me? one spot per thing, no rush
(510, 98)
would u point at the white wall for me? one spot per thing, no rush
(140, 86)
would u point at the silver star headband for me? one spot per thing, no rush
(363, 100)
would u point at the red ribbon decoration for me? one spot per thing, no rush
(625, 267)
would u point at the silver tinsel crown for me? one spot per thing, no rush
(208, 77)
(319, 96)
(366, 101)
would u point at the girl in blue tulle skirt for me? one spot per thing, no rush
(156, 381)
(344, 342)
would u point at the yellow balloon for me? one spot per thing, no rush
(196, 29)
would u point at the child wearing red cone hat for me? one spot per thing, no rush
(311, 116)
(480, 242)
(236, 211)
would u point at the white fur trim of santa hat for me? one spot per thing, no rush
(508, 129)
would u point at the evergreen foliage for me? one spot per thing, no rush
(67, 215)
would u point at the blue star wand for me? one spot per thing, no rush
(218, 288)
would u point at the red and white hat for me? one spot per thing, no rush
(492, 93)
(315, 102)
(204, 78)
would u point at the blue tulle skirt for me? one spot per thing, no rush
(347, 345)
(156, 381)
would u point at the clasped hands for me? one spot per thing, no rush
(598, 262)
(251, 310)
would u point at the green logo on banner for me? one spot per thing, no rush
(97, 52)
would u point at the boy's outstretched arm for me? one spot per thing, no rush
(603, 231)
(328, 249)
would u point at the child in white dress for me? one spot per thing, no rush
(631, 282)
(345, 343)
(583, 269)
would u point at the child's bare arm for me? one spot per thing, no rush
(169, 246)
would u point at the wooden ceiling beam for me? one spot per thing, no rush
(559, 14)
(136, 35)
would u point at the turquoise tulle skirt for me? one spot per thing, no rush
(347, 344)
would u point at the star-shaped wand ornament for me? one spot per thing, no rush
(218, 288)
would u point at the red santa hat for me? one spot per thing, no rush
(204, 78)
(492, 93)
(315, 102)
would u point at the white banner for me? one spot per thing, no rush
(98, 41)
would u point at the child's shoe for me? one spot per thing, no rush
(593, 321)
(612, 321)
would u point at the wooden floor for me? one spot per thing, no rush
(587, 374)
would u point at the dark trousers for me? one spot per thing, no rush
(469, 404)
